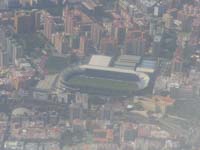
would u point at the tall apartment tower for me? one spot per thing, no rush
(4, 62)
(68, 15)
(26, 21)
(49, 26)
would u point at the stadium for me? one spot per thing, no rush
(100, 77)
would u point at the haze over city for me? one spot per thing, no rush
(99, 74)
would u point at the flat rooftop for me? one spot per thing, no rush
(100, 60)
(111, 69)
(47, 83)
(127, 61)
(90, 4)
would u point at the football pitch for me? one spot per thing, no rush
(102, 83)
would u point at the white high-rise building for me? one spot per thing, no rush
(3, 59)
(3, 4)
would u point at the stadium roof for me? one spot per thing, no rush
(107, 69)
(129, 58)
(147, 66)
(145, 70)
(100, 60)
(127, 61)
(47, 83)
(111, 69)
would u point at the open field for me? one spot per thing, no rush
(100, 83)
(56, 64)
(188, 109)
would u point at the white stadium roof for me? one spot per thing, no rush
(47, 83)
(100, 60)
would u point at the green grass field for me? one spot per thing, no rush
(99, 83)
(186, 109)
(34, 44)
(56, 64)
